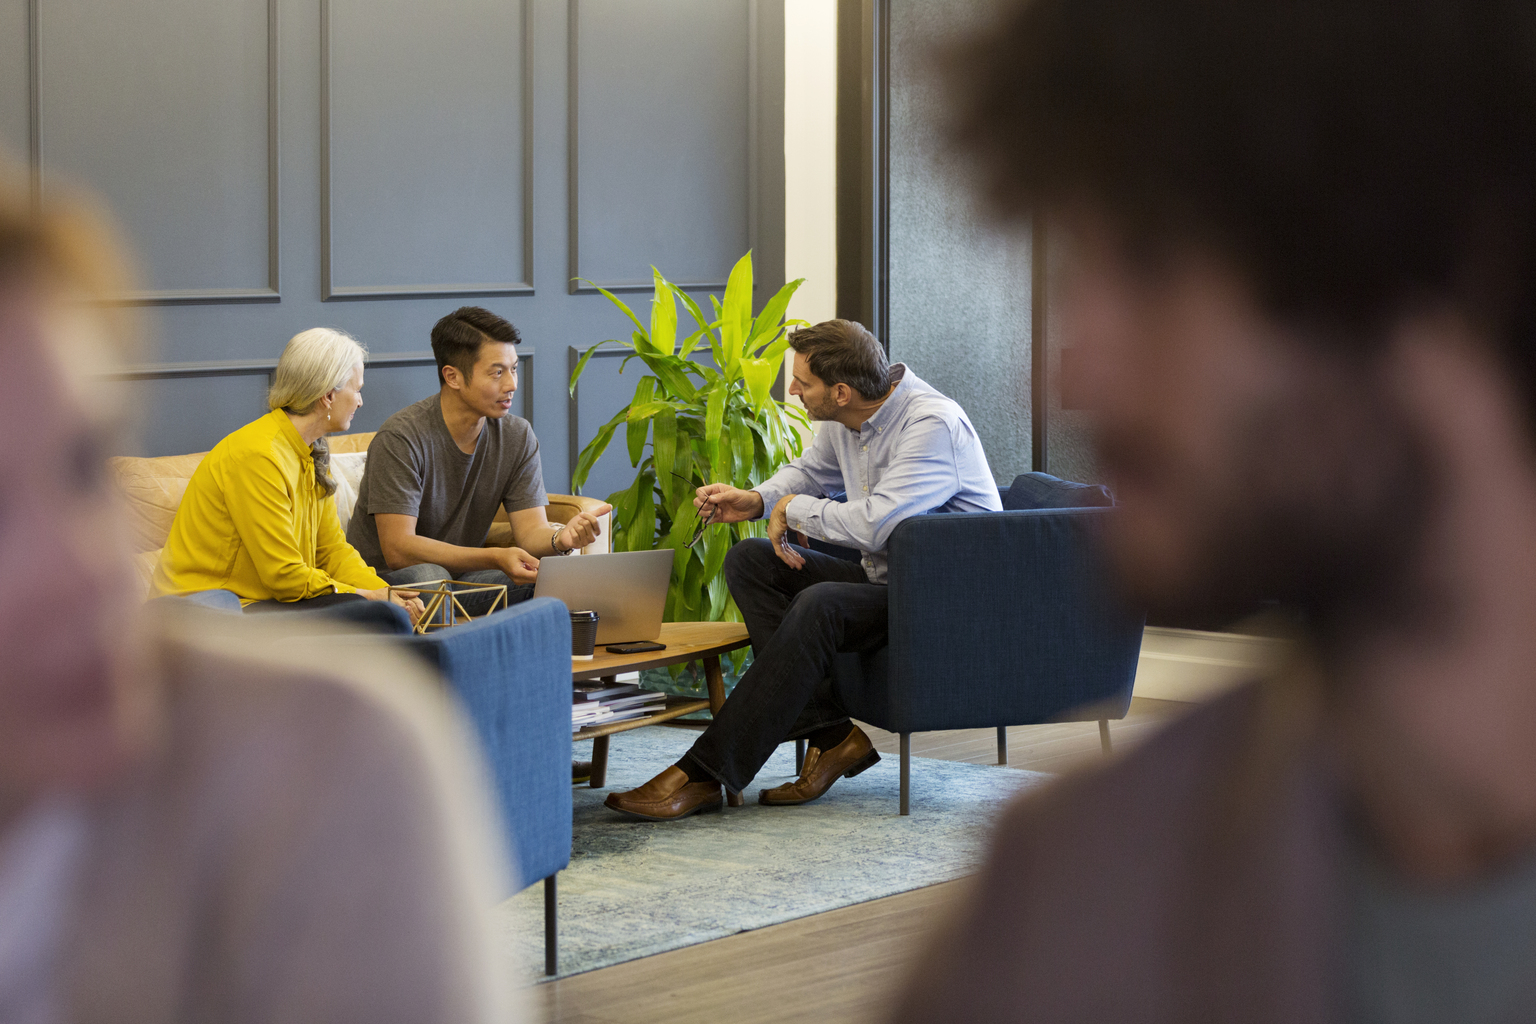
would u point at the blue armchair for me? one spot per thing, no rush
(998, 619)
(512, 671)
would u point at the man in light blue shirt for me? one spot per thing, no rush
(897, 448)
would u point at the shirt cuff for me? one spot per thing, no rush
(770, 498)
(802, 512)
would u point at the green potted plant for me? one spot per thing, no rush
(691, 424)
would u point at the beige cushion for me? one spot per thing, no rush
(153, 489)
(347, 471)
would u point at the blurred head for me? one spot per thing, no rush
(1257, 203)
(74, 700)
(321, 369)
(477, 359)
(834, 361)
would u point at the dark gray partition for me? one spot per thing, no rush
(404, 159)
(959, 289)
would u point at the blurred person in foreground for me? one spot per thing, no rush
(189, 832)
(1300, 271)
(258, 518)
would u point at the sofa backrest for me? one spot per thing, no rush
(154, 487)
(1041, 490)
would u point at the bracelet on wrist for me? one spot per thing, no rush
(554, 541)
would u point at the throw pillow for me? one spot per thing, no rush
(347, 470)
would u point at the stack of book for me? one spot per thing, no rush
(598, 703)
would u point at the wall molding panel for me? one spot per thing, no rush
(369, 165)
(38, 137)
(333, 192)
(748, 184)
(266, 367)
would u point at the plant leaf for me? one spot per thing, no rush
(692, 307)
(717, 344)
(714, 415)
(741, 452)
(692, 341)
(759, 375)
(718, 594)
(581, 364)
(663, 317)
(642, 532)
(672, 371)
(715, 547)
(617, 302)
(664, 447)
(768, 320)
(639, 422)
(623, 503)
(591, 453)
(737, 321)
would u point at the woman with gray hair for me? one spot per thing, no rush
(258, 519)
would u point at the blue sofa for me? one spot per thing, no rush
(998, 619)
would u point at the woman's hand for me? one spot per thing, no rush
(406, 599)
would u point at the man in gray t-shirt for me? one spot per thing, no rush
(438, 471)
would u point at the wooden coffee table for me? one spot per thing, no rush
(686, 641)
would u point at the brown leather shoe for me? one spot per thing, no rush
(821, 769)
(581, 771)
(668, 796)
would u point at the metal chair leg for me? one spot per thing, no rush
(1002, 744)
(1104, 737)
(906, 772)
(551, 929)
(799, 755)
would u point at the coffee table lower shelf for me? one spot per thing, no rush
(676, 707)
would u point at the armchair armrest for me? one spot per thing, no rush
(1006, 617)
(512, 672)
(561, 508)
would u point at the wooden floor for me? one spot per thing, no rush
(834, 967)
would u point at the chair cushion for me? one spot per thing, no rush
(1041, 490)
(347, 470)
(153, 489)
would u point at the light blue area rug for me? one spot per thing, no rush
(637, 888)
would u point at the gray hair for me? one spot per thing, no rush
(313, 364)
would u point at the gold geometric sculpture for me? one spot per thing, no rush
(441, 600)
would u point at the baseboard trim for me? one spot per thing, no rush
(1192, 665)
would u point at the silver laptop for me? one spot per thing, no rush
(627, 589)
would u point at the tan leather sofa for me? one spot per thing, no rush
(153, 490)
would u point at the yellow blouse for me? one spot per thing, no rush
(254, 521)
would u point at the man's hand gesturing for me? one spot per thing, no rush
(582, 529)
(722, 503)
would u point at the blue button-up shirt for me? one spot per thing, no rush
(918, 453)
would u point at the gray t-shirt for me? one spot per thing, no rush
(416, 469)
(1421, 956)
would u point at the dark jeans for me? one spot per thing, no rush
(799, 620)
(352, 609)
(475, 604)
(304, 604)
